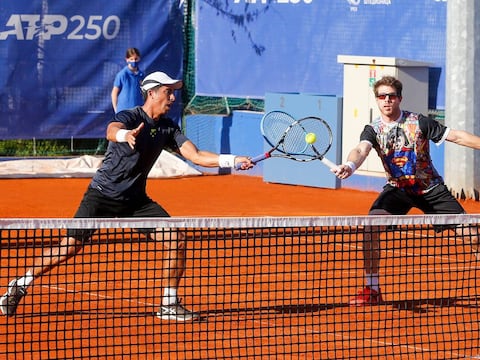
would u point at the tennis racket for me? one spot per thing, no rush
(302, 140)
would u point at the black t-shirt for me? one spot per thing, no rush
(123, 173)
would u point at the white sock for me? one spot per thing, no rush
(169, 296)
(25, 280)
(372, 281)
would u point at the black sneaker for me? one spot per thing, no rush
(9, 301)
(176, 312)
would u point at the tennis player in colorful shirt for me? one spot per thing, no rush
(404, 148)
(402, 141)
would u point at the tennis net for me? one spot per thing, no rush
(264, 287)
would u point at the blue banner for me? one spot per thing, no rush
(246, 48)
(58, 60)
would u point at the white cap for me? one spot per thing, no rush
(158, 78)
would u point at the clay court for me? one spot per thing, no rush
(267, 329)
(211, 195)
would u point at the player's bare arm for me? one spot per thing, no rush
(117, 132)
(464, 138)
(355, 159)
(208, 159)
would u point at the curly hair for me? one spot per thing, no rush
(388, 81)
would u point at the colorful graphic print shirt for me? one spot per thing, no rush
(403, 146)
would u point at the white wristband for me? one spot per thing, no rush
(121, 135)
(351, 165)
(226, 161)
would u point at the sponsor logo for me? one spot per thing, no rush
(46, 27)
(355, 4)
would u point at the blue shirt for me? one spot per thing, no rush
(129, 83)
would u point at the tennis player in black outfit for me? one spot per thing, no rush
(118, 189)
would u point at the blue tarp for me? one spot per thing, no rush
(246, 48)
(58, 60)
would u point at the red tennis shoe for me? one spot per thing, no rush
(367, 296)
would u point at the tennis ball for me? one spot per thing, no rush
(310, 138)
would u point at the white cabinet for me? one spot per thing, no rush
(359, 105)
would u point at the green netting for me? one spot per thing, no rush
(221, 105)
(189, 52)
(437, 114)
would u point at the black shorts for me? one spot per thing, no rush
(439, 200)
(96, 205)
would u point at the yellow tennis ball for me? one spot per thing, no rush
(310, 138)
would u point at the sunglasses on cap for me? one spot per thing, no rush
(391, 96)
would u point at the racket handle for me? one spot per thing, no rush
(260, 157)
(254, 160)
(328, 163)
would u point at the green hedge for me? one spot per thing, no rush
(48, 147)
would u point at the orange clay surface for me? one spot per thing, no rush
(227, 195)
(211, 195)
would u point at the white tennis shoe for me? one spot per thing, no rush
(10, 300)
(176, 312)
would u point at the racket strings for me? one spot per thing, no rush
(295, 143)
(274, 124)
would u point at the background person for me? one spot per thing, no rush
(118, 189)
(401, 140)
(126, 92)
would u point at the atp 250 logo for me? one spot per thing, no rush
(77, 27)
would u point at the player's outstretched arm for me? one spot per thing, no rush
(464, 138)
(208, 159)
(355, 159)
